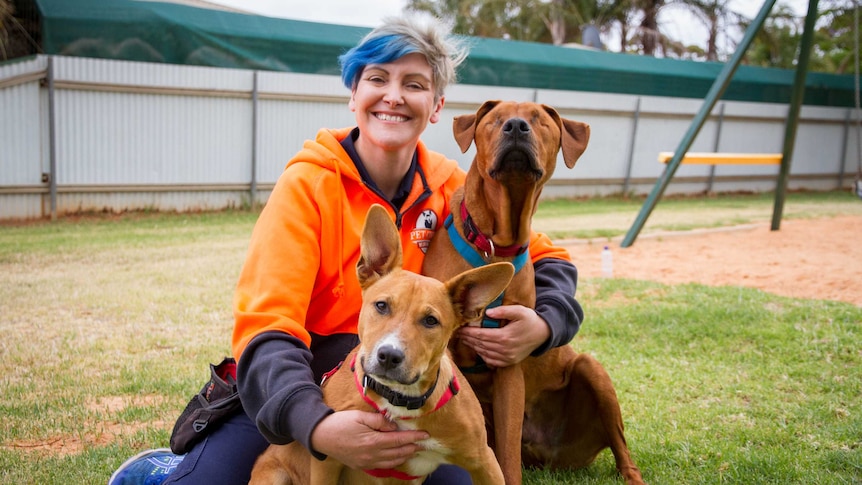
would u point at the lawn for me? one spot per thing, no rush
(108, 323)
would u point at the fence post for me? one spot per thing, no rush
(715, 147)
(637, 116)
(843, 159)
(254, 103)
(52, 140)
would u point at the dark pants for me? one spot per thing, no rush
(227, 455)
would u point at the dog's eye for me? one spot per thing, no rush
(430, 321)
(382, 307)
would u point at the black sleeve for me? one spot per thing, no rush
(556, 284)
(278, 389)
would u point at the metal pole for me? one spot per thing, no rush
(793, 115)
(715, 92)
(637, 116)
(843, 159)
(715, 146)
(52, 140)
(254, 107)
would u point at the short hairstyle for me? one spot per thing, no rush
(399, 36)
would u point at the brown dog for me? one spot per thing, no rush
(403, 369)
(558, 410)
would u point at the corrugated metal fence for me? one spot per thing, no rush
(80, 134)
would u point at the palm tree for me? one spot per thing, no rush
(777, 41)
(6, 11)
(16, 34)
(648, 32)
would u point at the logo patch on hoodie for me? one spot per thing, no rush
(426, 226)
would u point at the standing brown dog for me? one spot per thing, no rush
(402, 369)
(558, 410)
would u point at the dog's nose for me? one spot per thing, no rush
(389, 357)
(516, 127)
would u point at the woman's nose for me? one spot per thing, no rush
(393, 95)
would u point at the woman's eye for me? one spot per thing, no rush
(382, 307)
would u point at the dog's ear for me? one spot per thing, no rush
(574, 137)
(380, 247)
(464, 126)
(474, 289)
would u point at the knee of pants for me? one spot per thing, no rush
(226, 456)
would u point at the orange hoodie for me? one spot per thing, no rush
(299, 275)
(297, 301)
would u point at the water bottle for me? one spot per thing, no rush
(607, 263)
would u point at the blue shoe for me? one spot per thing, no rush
(150, 467)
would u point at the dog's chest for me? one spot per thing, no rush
(433, 455)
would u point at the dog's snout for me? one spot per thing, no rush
(389, 357)
(516, 127)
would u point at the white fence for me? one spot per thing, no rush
(81, 134)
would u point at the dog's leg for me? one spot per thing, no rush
(508, 409)
(485, 470)
(326, 472)
(280, 465)
(590, 371)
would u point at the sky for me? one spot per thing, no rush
(677, 23)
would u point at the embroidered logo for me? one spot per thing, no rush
(426, 225)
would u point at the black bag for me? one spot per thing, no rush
(217, 401)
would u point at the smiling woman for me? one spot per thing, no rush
(298, 294)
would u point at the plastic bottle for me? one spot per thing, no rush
(607, 263)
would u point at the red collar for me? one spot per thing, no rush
(483, 242)
(390, 473)
(451, 390)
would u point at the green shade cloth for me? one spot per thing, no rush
(177, 34)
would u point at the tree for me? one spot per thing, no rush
(640, 27)
(648, 34)
(6, 11)
(715, 16)
(16, 39)
(834, 38)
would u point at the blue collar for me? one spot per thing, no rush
(476, 260)
(471, 255)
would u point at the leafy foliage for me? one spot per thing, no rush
(638, 26)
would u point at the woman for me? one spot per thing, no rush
(297, 299)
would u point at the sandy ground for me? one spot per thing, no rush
(811, 258)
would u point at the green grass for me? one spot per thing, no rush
(107, 325)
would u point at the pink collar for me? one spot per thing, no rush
(451, 391)
(483, 242)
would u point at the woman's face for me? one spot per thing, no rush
(393, 103)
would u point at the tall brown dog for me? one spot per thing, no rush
(403, 369)
(558, 410)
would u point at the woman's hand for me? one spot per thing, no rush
(501, 347)
(365, 440)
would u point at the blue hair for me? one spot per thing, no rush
(376, 50)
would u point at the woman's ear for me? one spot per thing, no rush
(352, 103)
(435, 116)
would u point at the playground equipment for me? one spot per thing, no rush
(714, 94)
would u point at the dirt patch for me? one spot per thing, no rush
(806, 258)
(97, 433)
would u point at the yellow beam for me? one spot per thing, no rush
(705, 158)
